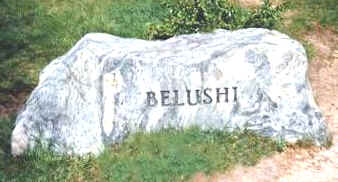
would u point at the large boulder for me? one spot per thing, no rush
(107, 87)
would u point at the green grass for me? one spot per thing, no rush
(323, 12)
(309, 13)
(34, 32)
(7, 126)
(167, 155)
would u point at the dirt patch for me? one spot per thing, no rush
(11, 103)
(249, 3)
(300, 164)
(255, 3)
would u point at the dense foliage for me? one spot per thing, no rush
(191, 16)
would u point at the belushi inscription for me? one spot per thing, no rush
(192, 97)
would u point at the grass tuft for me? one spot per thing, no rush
(167, 155)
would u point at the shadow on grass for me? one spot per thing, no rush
(32, 33)
(6, 127)
(10, 26)
(15, 37)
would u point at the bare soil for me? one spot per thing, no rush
(11, 102)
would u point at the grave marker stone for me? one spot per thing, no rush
(107, 87)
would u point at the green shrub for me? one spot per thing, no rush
(191, 16)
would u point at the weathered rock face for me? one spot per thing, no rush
(107, 87)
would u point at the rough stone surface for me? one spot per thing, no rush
(107, 87)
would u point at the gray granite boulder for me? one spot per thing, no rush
(107, 87)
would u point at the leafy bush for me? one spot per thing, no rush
(191, 16)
